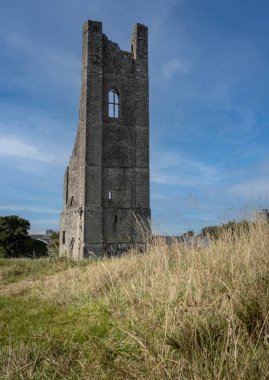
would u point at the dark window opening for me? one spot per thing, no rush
(72, 244)
(132, 48)
(115, 219)
(63, 237)
(71, 201)
(113, 103)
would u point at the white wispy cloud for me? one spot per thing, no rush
(175, 65)
(176, 169)
(27, 208)
(159, 197)
(29, 132)
(15, 147)
(45, 64)
(47, 223)
(252, 188)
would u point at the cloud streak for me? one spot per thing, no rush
(177, 169)
(256, 187)
(58, 67)
(175, 66)
(27, 208)
(15, 147)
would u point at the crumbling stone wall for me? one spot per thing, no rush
(107, 180)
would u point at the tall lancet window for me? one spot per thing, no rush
(113, 103)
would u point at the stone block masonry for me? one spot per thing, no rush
(106, 184)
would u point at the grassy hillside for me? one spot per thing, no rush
(172, 313)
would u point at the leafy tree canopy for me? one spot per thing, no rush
(14, 239)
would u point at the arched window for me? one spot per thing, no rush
(113, 103)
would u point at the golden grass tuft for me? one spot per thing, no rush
(171, 313)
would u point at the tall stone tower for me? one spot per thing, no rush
(106, 184)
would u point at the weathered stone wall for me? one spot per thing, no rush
(111, 155)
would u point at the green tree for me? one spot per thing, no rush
(14, 238)
(39, 248)
(53, 246)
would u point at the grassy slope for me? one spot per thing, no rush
(174, 313)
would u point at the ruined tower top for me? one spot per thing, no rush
(106, 188)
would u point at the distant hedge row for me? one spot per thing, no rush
(233, 227)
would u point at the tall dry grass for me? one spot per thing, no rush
(174, 312)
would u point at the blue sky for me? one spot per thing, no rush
(209, 113)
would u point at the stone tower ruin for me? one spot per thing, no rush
(106, 184)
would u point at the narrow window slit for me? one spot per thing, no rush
(72, 244)
(113, 103)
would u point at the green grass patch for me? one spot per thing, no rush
(24, 318)
(52, 335)
(15, 270)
